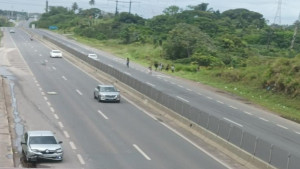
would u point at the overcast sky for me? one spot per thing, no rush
(290, 9)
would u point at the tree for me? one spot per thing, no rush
(92, 2)
(74, 6)
(172, 10)
(184, 40)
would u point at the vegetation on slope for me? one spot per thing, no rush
(234, 50)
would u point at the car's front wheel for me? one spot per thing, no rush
(95, 97)
(99, 98)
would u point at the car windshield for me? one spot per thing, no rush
(42, 140)
(56, 51)
(92, 55)
(108, 89)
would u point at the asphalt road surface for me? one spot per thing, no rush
(56, 95)
(271, 128)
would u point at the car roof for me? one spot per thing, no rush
(92, 54)
(40, 133)
(106, 85)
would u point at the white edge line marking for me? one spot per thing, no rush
(80, 159)
(172, 83)
(209, 98)
(60, 124)
(151, 84)
(263, 119)
(189, 89)
(45, 98)
(248, 113)
(282, 126)
(64, 77)
(78, 92)
(102, 114)
(37, 85)
(141, 151)
(182, 99)
(56, 116)
(180, 86)
(110, 65)
(72, 145)
(233, 107)
(233, 122)
(199, 94)
(194, 144)
(66, 134)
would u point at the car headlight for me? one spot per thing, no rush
(59, 150)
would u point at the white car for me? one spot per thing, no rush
(55, 54)
(93, 56)
(11, 31)
(41, 145)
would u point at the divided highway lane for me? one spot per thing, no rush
(106, 135)
(278, 133)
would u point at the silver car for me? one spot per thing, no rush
(41, 145)
(107, 93)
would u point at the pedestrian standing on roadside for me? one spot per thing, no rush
(172, 68)
(127, 62)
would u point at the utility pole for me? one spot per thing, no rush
(295, 32)
(47, 6)
(130, 3)
(277, 19)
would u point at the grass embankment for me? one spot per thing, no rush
(245, 82)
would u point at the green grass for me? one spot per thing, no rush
(146, 54)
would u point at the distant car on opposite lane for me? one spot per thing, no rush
(41, 145)
(107, 93)
(55, 54)
(11, 31)
(93, 56)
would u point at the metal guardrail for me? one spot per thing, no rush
(250, 143)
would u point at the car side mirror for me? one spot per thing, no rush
(22, 142)
(60, 142)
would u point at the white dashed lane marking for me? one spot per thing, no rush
(151, 84)
(220, 102)
(209, 98)
(45, 98)
(141, 151)
(60, 124)
(248, 113)
(78, 92)
(66, 134)
(80, 159)
(56, 116)
(281, 126)
(54, 68)
(103, 115)
(182, 99)
(297, 132)
(64, 78)
(233, 122)
(72, 145)
(51, 108)
(263, 119)
(233, 107)
(189, 89)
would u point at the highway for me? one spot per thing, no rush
(263, 124)
(56, 95)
